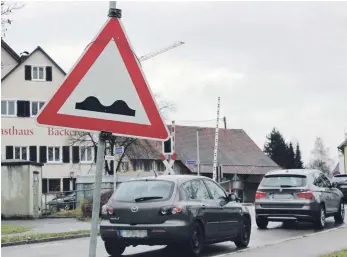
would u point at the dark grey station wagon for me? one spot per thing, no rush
(181, 211)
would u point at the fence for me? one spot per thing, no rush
(54, 202)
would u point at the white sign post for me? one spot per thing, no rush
(118, 153)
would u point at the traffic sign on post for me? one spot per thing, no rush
(119, 150)
(106, 91)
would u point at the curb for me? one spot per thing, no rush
(44, 240)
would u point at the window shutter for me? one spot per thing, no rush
(95, 153)
(9, 152)
(43, 154)
(23, 108)
(75, 154)
(49, 73)
(66, 154)
(33, 153)
(27, 73)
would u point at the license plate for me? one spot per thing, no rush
(282, 196)
(133, 233)
(343, 186)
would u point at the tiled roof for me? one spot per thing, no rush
(237, 152)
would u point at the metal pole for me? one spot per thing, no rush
(97, 194)
(198, 151)
(115, 164)
(214, 174)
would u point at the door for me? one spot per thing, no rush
(197, 194)
(36, 194)
(324, 190)
(333, 195)
(229, 214)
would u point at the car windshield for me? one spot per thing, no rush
(341, 178)
(144, 190)
(284, 181)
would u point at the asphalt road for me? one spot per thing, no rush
(79, 247)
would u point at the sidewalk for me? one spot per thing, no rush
(309, 246)
(39, 226)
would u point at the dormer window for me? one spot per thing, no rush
(38, 73)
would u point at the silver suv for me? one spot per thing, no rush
(297, 195)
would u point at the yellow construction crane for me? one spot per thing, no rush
(154, 54)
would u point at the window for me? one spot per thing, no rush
(136, 191)
(53, 154)
(187, 191)
(86, 154)
(54, 185)
(200, 191)
(340, 178)
(8, 107)
(21, 153)
(38, 73)
(284, 181)
(36, 106)
(319, 181)
(216, 191)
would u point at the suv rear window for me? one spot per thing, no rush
(144, 190)
(283, 181)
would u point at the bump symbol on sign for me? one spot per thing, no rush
(93, 104)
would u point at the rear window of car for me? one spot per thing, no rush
(144, 190)
(284, 181)
(340, 178)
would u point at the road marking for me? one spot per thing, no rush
(281, 241)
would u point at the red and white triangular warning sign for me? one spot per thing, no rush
(106, 91)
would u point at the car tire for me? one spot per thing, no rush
(262, 223)
(244, 236)
(340, 215)
(196, 241)
(114, 248)
(319, 222)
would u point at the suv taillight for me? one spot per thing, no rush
(306, 195)
(259, 195)
(170, 210)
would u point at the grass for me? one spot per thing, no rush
(10, 229)
(30, 237)
(342, 253)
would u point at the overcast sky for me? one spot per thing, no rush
(274, 64)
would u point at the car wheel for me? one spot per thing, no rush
(244, 236)
(320, 219)
(114, 248)
(196, 241)
(340, 215)
(262, 223)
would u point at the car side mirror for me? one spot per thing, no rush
(233, 198)
(333, 184)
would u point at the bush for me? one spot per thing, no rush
(87, 205)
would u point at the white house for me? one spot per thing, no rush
(27, 82)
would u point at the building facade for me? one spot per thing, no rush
(343, 156)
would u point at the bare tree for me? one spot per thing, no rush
(320, 157)
(6, 10)
(132, 146)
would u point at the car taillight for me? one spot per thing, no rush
(170, 210)
(106, 210)
(306, 195)
(259, 195)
